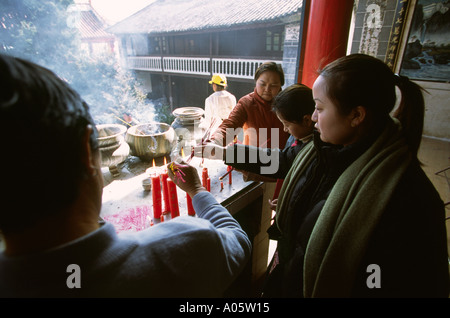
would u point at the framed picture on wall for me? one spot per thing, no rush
(379, 28)
(426, 56)
(411, 36)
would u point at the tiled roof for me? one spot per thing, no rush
(164, 16)
(91, 25)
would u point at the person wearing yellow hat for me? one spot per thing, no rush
(220, 103)
(219, 79)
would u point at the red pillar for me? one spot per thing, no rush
(326, 37)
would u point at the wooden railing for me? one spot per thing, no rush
(145, 63)
(237, 68)
(186, 65)
(240, 68)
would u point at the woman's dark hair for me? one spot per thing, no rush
(270, 66)
(42, 121)
(363, 80)
(294, 102)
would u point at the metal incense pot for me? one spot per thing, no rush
(151, 140)
(113, 148)
(187, 127)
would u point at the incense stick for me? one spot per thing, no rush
(177, 172)
(226, 174)
(137, 130)
(123, 121)
(205, 137)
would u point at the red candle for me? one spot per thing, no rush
(190, 207)
(208, 184)
(247, 140)
(156, 196)
(173, 198)
(229, 168)
(150, 220)
(164, 177)
(204, 176)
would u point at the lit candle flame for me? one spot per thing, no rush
(154, 168)
(165, 164)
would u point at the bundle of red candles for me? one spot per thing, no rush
(169, 195)
(173, 199)
(162, 182)
(156, 196)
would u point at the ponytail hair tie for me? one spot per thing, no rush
(399, 79)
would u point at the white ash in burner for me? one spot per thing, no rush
(149, 130)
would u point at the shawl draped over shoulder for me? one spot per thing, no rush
(350, 214)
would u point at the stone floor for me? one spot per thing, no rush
(435, 157)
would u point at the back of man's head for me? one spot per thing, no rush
(42, 121)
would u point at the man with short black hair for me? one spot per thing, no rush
(51, 197)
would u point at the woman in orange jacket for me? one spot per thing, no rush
(253, 113)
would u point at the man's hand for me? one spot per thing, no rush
(210, 150)
(185, 177)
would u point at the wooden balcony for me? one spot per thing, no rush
(236, 68)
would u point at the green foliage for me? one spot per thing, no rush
(38, 31)
(163, 111)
